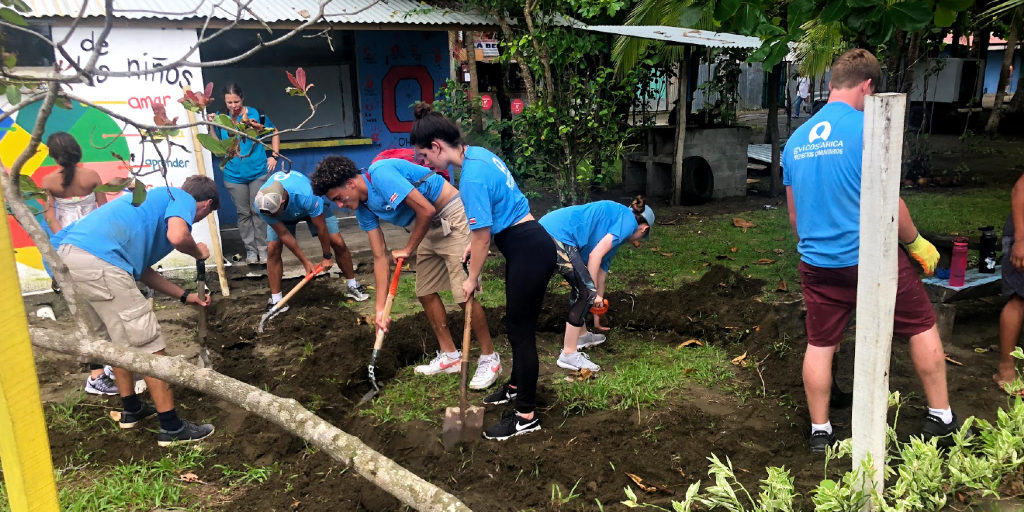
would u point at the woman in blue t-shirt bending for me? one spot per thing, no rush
(245, 174)
(587, 237)
(495, 206)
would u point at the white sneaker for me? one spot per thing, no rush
(440, 364)
(487, 371)
(262, 255)
(357, 292)
(251, 258)
(140, 382)
(576, 361)
(590, 339)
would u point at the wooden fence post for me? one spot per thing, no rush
(681, 111)
(216, 251)
(877, 279)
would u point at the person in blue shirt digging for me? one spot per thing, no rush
(407, 194)
(286, 200)
(587, 237)
(112, 247)
(494, 205)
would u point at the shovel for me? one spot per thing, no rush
(463, 423)
(204, 353)
(279, 305)
(374, 388)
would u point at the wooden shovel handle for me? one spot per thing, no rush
(308, 278)
(467, 330)
(392, 290)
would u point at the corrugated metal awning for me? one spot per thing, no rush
(400, 12)
(680, 35)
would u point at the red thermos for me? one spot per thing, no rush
(958, 266)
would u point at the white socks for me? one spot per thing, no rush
(946, 415)
(352, 283)
(454, 355)
(276, 297)
(827, 427)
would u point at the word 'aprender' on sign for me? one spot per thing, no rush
(172, 163)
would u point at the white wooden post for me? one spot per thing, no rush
(877, 277)
(681, 111)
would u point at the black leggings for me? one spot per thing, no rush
(583, 291)
(529, 263)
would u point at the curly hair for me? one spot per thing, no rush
(332, 172)
(637, 207)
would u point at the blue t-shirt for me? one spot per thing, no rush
(302, 202)
(251, 167)
(584, 227)
(489, 193)
(388, 182)
(822, 162)
(129, 237)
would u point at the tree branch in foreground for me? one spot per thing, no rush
(284, 412)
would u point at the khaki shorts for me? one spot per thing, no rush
(115, 306)
(439, 256)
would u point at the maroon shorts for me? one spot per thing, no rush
(831, 297)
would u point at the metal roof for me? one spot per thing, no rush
(402, 12)
(681, 35)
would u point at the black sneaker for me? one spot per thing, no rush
(188, 433)
(511, 425)
(130, 419)
(503, 395)
(934, 427)
(821, 440)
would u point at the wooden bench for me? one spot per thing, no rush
(944, 297)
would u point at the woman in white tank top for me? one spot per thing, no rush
(71, 196)
(71, 189)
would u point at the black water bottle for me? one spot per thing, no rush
(987, 253)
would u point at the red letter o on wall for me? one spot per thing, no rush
(388, 84)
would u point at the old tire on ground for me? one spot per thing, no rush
(698, 181)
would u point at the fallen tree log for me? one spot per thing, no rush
(284, 412)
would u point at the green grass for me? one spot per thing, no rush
(251, 474)
(410, 397)
(132, 486)
(678, 254)
(643, 375)
(69, 416)
(959, 212)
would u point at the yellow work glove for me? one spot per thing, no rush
(925, 253)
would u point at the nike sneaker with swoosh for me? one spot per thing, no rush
(487, 371)
(440, 364)
(511, 425)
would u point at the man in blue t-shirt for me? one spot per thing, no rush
(286, 200)
(822, 163)
(406, 194)
(111, 248)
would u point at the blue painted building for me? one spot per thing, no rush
(995, 64)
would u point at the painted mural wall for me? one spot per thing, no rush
(100, 135)
(394, 70)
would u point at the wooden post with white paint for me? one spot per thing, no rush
(877, 279)
(681, 111)
(215, 251)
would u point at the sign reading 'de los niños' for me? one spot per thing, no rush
(101, 135)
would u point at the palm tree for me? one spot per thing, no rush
(628, 51)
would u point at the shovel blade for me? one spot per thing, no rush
(366, 398)
(462, 426)
(262, 321)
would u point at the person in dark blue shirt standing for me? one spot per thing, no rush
(495, 206)
(822, 162)
(245, 174)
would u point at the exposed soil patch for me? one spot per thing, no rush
(317, 353)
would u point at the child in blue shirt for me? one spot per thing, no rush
(587, 238)
(285, 200)
(495, 206)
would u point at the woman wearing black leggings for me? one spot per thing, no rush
(495, 206)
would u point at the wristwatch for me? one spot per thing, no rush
(328, 256)
(184, 297)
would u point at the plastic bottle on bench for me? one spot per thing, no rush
(987, 256)
(958, 265)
